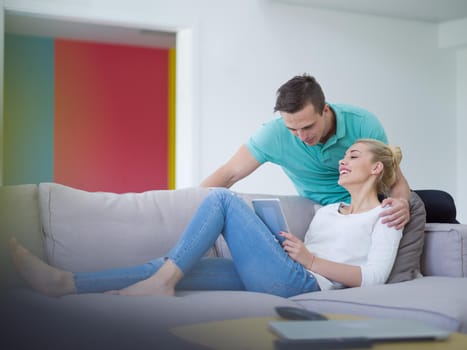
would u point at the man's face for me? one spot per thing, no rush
(306, 124)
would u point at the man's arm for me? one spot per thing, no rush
(401, 188)
(238, 167)
(398, 215)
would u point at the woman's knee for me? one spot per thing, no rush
(220, 191)
(221, 194)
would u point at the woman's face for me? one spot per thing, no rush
(357, 166)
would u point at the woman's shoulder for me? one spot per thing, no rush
(339, 209)
(332, 206)
(329, 209)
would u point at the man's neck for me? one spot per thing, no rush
(330, 124)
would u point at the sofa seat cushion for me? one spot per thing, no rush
(439, 301)
(87, 231)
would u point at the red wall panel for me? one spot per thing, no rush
(111, 117)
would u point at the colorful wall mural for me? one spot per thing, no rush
(94, 116)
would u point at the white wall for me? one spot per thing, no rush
(243, 50)
(461, 199)
(452, 37)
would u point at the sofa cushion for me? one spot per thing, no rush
(19, 217)
(407, 264)
(86, 231)
(445, 251)
(435, 300)
(439, 206)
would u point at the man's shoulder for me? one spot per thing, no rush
(274, 123)
(348, 110)
(356, 122)
(272, 128)
(269, 139)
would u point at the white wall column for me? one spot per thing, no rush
(461, 195)
(451, 35)
(187, 132)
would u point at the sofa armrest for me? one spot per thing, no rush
(19, 218)
(445, 250)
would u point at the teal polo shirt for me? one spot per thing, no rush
(314, 170)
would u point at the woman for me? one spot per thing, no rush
(346, 245)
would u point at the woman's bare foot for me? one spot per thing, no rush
(163, 282)
(41, 277)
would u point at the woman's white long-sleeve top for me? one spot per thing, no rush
(356, 239)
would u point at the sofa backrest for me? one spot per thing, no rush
(445, 250)
(85, 231)
(79, 231)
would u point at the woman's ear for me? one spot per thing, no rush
(377, 168)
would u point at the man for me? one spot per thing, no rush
(307, 141)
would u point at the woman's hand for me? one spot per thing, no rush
(297, 250)
(348, 275)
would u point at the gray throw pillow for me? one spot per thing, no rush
(407, 264)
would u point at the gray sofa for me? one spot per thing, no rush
(78, 230)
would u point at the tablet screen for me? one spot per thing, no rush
(270, 212)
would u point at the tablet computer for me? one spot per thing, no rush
(372, 329)
(270, 212)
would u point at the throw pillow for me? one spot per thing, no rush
(407, 264)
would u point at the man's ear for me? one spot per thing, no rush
(377, 168)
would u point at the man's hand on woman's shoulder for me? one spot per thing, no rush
(396, 213)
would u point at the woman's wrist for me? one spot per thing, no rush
(310, 264)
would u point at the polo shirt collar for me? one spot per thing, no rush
(340, 126)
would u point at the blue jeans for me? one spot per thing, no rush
(258, 262)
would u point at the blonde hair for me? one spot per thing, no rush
(390, 157)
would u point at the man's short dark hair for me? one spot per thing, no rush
(298, 92)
